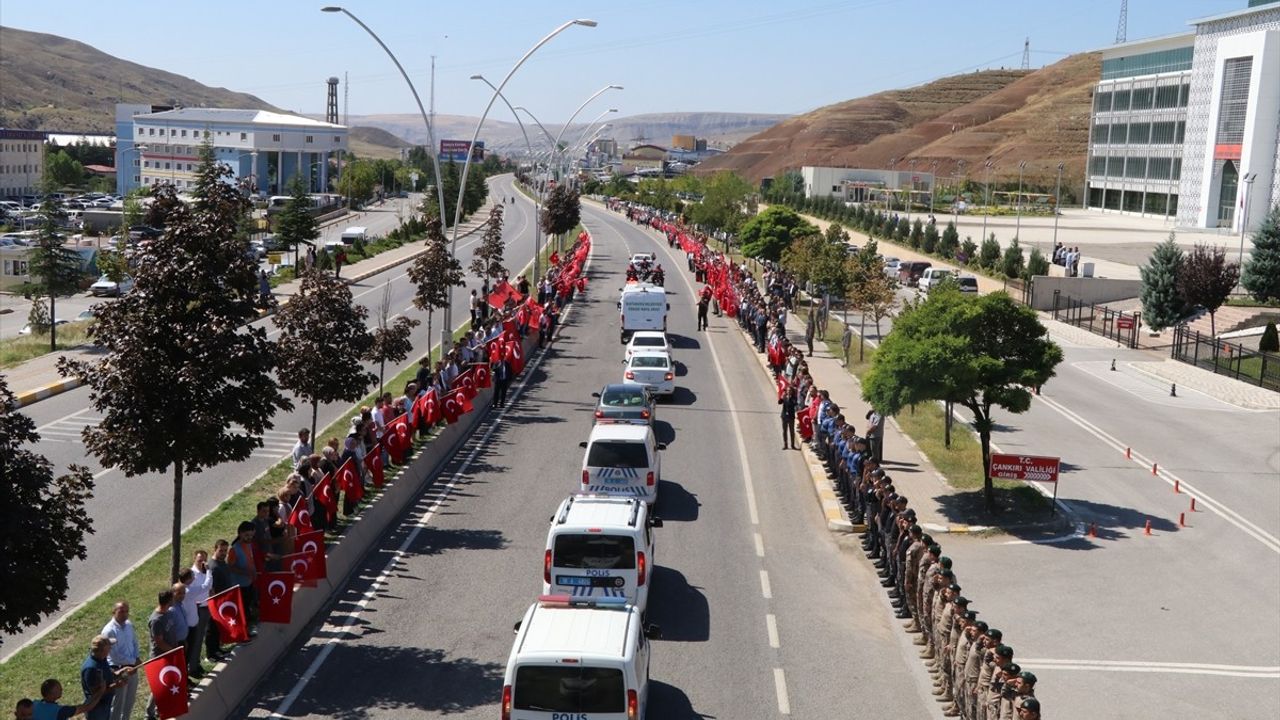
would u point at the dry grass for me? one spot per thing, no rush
(17, 350)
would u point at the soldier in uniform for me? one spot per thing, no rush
(1002, 689)
(1029, 709)
(959, 656)
(1023, 686)
(944, 618)
(911, 568)
(989, 693)
(929, 566)
(986, 665)
(972, 665)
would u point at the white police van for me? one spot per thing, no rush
(622, 459)
(600, 547)
(578, 659)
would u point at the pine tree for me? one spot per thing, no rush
(54, 267)
(1270, 341)
(1162, 304)
(1012, 263)
(968, 251)
(930, 242)
(917, 234)
(989, 255)
(949, 243)
(296, 225)
(1261, 275)
(1038, 264)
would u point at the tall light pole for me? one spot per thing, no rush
(889, 198)
(933, 184)
(556, 143)
(1057, 208)
(537, 198)
(911, 172)
(431, 136)
(1018, 227)
(1244, 219)
(591, 126)
(446, 339)
(986, 210)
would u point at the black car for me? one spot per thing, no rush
(624, 402)
(144, 232)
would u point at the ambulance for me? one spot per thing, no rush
(642, 306)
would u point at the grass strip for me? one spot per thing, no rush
(17, 350)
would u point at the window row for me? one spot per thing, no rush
(26, 147)
(6, 169)
(1159, 98)
(176, 166)
(173, 132)
(1144, 133)
(1136, 168)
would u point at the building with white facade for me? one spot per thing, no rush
(21, 161)
(1188, 126)
(265, 149)
(865, 184)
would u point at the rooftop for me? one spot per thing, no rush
(1272, 6)
(231, 115)
(577, 631)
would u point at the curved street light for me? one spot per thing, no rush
(446, 339)
(550, 140)
(537, 197)
(591, 125)
(556, 144)
(431, 137)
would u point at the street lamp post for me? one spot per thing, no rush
(1244, 219)
(555, 145)
(537, 198)
(1018, 226)
(911, 172)
(986, 210)
(1057, 208)
(933, 184)
(446, 332)
(887, 196)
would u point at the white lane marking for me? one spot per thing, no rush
(1267, 539)
(100, 473)
(780, 686)
(1243, 671)
(771, 625)
(759, 545)
(765, 588)
(728, 397)
(335, 635)
(62, 419)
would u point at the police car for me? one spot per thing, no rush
(600, 547)
(622, 460)
(578, 659)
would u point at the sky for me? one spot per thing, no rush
(785, 56)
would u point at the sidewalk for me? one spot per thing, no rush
(38, 378)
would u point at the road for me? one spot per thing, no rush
(124, 509)
(763, 614)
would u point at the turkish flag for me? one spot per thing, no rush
(464, 400)
(299, 566)
(484, 378)
(167, 678)
(515, 355)
(502, 292)
(782, 386)
(555, 258)
(349, 480)
(466, 382)
(312, 545)
(431, 408)
(324, 496)
(456, 404)
(300, 518)
(373, 461)
(535, 315)
(805, 416)
(398, 438)
(510, 328)
(226, 610)
(275, 597)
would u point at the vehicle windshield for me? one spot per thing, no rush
(649, 341)
(573, 689)
(623, 398)
(649, 361)
(597, 552)
(617, 454)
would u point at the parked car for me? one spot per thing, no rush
(909, 271)
(968, 284)
(891, 267)
(26, 329)
(143, 232)
(86, 316)
(107, 286)
(930, 279)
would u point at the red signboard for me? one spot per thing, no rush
(1124, 323)
(1024, 467)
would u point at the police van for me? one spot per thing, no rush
(600, 547)
(642, 307)
(622, 459)
(578, 659)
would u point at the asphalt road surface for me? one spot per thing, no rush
(130, 515)
(763, 614)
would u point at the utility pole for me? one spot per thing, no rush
(1018, 227)
(1026, 54)
(1057, 208)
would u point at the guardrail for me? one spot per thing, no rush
(1226, 358)
(1116, 325)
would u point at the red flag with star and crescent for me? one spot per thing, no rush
(323, 496)
(515, 355)
(275, 597)
(349, 480)
(398, 438)
(373, 461)
(466, 382)
(484, 378)
(226, 610)
(167, 678)
(300, 518)
(312, 545)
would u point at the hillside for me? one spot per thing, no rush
(49, 82)
(375, 142)
(1040, 116)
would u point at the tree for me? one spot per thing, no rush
(916, 238)
(969, 251)
(164, 201)
(434, 273)
(902, 231)
(358, 180)
(814, 258)
(989, 255)
(949, 243)
(561, 212)
(486, 261)
(134, 212)
(1261, 275)
(725, 198)
(186, 383)
(930, 241)
(1270, 341)
(1206, 279)
(295, 225)
(836, 234)
(54, 268)
(981, 352)
(322, 340)
(874, 292)
(1012, 263)
(766, 235)
(1038, 264)
(1162, 303)
(391, 337)
(63, 170)
(42, 522)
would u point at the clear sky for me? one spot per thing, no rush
(783, 56)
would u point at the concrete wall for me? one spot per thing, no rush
(223, 691)
(1089, 290)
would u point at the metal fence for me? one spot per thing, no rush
(1227, 358)
(1116, 325)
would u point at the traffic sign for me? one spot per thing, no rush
(1124, 323)
(1025, 467)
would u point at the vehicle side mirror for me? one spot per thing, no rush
(595, 394)
(516, 628)
(662, 446)
(652, 632)
(583, 444)
(655, 522)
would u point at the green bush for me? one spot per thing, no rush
(1270, 341)
(989, 255)
(969, 249)
(1037, 265)
(1012, 263)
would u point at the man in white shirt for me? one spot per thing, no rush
(195, 606)
(302, 449)
(124, 653)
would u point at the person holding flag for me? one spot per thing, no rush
(227, 613)
(167, 678)
(275, 597)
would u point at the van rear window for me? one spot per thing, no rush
(598, 552)
(544, 688)
(617, 454)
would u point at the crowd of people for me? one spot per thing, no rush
(974, 673)
(307, 501)
(1067, 257)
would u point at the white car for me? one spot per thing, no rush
(653, 369)
(645, 340)
(107, 286)
(26, 329)
(891, 267)
(931, 277)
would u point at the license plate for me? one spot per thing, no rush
(578, 581)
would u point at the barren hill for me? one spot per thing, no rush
(1040, 116)
(49, 82)
(375, 142)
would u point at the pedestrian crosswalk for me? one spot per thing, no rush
(67, 430)
(276, 444)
